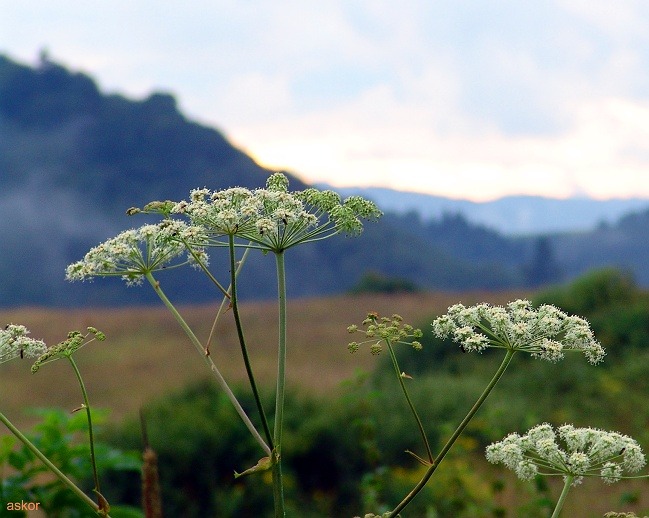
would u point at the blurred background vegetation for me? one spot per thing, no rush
(345, 446)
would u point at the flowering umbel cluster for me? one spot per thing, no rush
(14, 343)
(584, 452)
(273, 218)
(545, 333)
(136, 252)
(378, 329)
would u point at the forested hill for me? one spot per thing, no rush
(73, 159)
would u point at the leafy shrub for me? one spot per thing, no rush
(61, 437)
(344, 448)
(374, 282)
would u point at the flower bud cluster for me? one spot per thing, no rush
(75, 341)
(133, 253)
(546, 332)
(379, 329)
(14, 343)
(583, 452)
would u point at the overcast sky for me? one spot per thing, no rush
(470, 99)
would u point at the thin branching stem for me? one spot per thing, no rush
(208, 360)
(420, 426)
(456, 434)
(203, 267)
(278, 489)
(56, 471)
(225, 300)
(91, 440)
(234, 300)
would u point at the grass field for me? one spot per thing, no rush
(146, 353)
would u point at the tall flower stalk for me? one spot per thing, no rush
(66, 349)
(271, 220)
(280, 393)
(234, 302)
(545, 333)
(14, 343)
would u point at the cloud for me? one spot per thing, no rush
(475, 98)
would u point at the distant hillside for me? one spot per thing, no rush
(73, 159)
(511, 215)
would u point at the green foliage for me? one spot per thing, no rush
(595, 291)
(62, 438)
(346, 453)
(374, 282)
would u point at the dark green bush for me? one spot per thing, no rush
(335, 448)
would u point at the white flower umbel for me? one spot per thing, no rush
(136, 252)
(273, 218)
(14, 343)
(545, 333)
(571, 452)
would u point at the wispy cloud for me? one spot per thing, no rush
(476, 98)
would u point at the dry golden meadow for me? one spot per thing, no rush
(147, 354)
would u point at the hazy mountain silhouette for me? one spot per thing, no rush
(73, 159)
(510, 215)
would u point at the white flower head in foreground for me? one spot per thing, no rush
(274, 218)
(568, 451)
(136, 252)
(545, 333)
(14, 343)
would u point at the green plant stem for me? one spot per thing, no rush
(56, 471)
(86, 404)
(234, 301)
(422, 432)
(278, 489)
(205, 269)
(225, 300)
(449, 444)
(562, 497)
(208, 360)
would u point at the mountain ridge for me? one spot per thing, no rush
(513, 215)
(73, 159)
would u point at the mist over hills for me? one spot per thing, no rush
(73, 159)
(510, 215)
